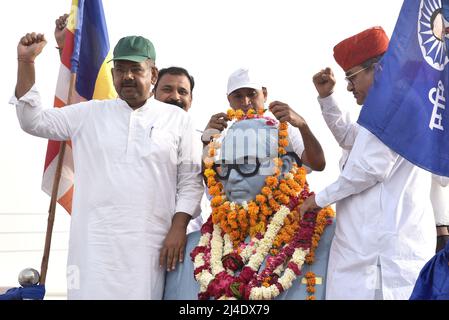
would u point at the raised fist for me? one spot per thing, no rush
(30, 46)
(60, 25)
(324, 82)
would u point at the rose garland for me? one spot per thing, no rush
(271, 221)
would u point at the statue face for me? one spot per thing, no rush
(246, 159)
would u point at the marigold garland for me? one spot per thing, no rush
(271, 220)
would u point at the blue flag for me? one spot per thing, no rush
(406, 106)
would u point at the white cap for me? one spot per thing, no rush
(242, 78)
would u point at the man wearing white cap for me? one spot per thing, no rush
(245, 91)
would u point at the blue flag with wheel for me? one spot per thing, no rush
(406, 107)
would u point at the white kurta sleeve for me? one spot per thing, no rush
(370, 162)
(53, 123)
(439, 196)
(339, 122)
(189, 184)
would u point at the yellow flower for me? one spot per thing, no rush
(239, 114)
(231, 114)
(209, 173)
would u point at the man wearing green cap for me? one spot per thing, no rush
(137, 175)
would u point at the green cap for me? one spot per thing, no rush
(134, 48)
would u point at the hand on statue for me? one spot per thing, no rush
(60, 25)
(30, 46)
(217, 123)
(284, 113)
(173, 248)
(324, 82)
(308, 205)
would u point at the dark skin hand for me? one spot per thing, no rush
(174, 244)
(60, 25)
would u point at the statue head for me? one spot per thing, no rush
(246, 159)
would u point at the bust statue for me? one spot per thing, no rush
(255, 245)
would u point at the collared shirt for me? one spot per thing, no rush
(383, 218)
(134, 169)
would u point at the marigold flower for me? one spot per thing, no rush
(283, 142)
(239, 114)
(211, 182)
(266, 191)
(283, 126)
(311, 289)
(231, 114)
(271, 181)
(214, 190)
(283, 133)
(209, 173)
(260, 199)
(211, 152)
(216, 201)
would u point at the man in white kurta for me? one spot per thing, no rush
(136, 170)
(385, 231)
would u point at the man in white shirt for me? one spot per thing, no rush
(344, 130)
(385, 232)
(174, 86)
(137, 175)
(245, 91)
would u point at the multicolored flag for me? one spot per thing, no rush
(86, 52)
(406, 106)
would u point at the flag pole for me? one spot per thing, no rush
(54, 195)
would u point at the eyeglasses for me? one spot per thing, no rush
(350, 79)
(249, 167)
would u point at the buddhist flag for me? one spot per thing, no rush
(86, 52)
(406, 107)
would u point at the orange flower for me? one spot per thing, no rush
(211, 152)
(283, 126)
(215, 190)
(260, 111)
(239, 114)
(261, 199)
(273, 204)
(271, 181)
(231, 114)
(281, 151)
(283, 142)
(251, 113)
(283, 133)
(216, 201)
(211, 182)
(266, 191)
(311, 289)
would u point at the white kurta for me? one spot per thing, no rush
(134, 169)
(383, 217)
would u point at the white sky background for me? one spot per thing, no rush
(285, 40)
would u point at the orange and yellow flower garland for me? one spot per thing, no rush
(239, 221)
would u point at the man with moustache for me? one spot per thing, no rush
(137, 177)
